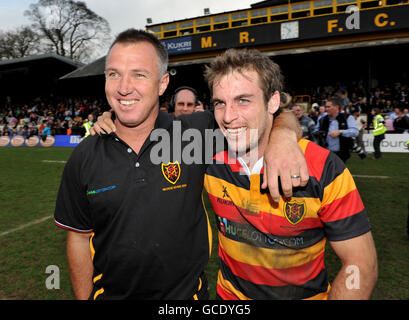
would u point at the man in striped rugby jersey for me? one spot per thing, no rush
(271, 250)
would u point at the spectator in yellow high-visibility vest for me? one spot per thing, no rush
(87, 125)
(379, 130)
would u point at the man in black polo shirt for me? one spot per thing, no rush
(137, 230)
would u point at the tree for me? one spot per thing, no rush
(69, 27)
(18, 43)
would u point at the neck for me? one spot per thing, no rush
(260, 148)
(137, 135)
(252, 156)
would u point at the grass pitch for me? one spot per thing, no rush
(30, 242)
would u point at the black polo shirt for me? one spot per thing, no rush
(150, 231)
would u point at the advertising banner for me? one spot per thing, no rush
(392, 142)
(67, 141)
(34, 141)
(178, 45)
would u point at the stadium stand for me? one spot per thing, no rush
(65, 116)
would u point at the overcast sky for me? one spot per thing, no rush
(123, 14)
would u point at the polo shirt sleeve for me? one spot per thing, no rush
(342, 211)
(71, 210)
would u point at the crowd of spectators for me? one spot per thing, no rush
(391, 99)
(48, 116)
(66, 116)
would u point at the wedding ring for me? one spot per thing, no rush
(295, 176)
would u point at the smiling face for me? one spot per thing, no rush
(133, 84)
(242, 112)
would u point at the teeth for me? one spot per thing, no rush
(236, 131)
(128, 102)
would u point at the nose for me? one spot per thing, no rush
(124, 86)
(230, 113)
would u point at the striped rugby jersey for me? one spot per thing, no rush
(276, 251)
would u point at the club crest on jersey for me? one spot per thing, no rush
(294, 211)
(171, 171)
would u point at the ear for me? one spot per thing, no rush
(274, 102)
(163, 83)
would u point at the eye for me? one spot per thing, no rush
(243, 101)
(112, 74)
(218, 104)
(139, 75)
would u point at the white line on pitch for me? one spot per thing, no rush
(25, 225)
(375, 177)
(53, 161)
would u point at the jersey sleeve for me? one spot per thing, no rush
(212, 138)
(342, 212)
(72, 207)
(199, 120)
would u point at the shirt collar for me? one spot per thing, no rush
(257, 168)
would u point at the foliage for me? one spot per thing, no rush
(18, 43)
(65, 27)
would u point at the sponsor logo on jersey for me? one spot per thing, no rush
(294, 211)
(91, 192)
(225, 193)
(247, 233)
(171, 171)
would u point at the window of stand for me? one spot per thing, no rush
(279, 13)
(300, 10)
(156, 31)
(342, 5)
(259, 16)
(239, 19)
(366, 4)
(322, 7)
(170, 30)
(203, 25)
(221, 22)
(185, 28)
(393, 2)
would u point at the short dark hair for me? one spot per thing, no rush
(240, 60)
(134, 36)
(335, 100)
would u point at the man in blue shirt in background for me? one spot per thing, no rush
(337, 129)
